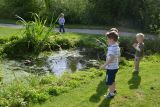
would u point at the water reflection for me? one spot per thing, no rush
(65, 61)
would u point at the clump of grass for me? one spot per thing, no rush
(35, 38)
(154, 58)
(1, 75)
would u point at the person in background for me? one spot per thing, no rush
(139, 47)
(61, 22)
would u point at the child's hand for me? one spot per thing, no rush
(134, 45)
(103, 66)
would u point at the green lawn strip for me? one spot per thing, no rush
(8, 31)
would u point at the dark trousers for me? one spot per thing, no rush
(61, 27)
(110, 76)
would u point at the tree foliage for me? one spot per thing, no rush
(143, 14)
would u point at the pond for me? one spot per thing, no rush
(56, 63)
(70, 61)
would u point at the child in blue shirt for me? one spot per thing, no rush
(61, 22)
(112, 62)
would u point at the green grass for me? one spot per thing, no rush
(38, 89)
(133, 90)
(103, 27)
(8, 31)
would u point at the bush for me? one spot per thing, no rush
(57, 90)
(1, 75)
(63, 43)
(152, 46)
(50, 79)
(3, 40)
(4, 102)
(22, 8)
(34, 96)
(17, 102)
(21, 47)
(35, 39)
(13, 38)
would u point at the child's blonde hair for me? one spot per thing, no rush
(62, 14)
(140, 35)
(113, 35)
(114, 29)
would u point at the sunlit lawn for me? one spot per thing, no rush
(133, 90)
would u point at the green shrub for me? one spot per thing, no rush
(12, 38)
(34, 96)
(19, 7)
(48, 79)
(33, 80)
(30, 95)
(17, 102)
(34, 40)
(57, 90)
(152, 46)
(4, 102)
(42, 97)
(1, 75)
(3, 40)
(63, 43)
(21, 47)
(73, 83)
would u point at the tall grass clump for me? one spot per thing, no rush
(1, 76)
(34, 39)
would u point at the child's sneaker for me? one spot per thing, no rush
(115, 91)
(135, 72)
(110, 95)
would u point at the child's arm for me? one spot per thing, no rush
(108, 62)
(135, 45)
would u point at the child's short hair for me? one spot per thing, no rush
(114, 29)
(140, 35)
(62, 14)
(113, 35)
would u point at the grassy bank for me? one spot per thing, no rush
(38, 89)
(133, 90)
(86, 88)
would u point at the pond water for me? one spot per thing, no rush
(11, 70)
(56, 63)
(70, 61)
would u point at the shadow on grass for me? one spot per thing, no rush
(101, 90)
(135, 81)
(105, 103)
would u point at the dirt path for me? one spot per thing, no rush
(102, 32)
(87, 31)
